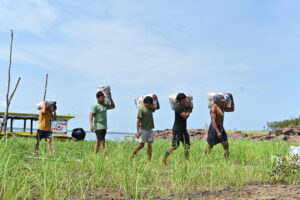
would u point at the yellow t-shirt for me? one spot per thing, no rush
(45, 121)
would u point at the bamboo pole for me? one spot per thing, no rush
(46, 85)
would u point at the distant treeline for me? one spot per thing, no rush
(284, 123)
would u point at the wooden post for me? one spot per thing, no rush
(46, 84)
(11, 124)
(8, 95)
(31, 126)
(24, 128)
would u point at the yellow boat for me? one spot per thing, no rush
(59, 126)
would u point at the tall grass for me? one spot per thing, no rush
(75, 172)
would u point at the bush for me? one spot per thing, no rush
(284, 123)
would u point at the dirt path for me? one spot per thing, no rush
(252, 191)
(248, 192)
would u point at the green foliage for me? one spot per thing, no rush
(75, 172)
(284, 123)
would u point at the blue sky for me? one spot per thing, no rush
(248, 48)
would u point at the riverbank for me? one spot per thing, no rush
(289, 134)
(74, 172)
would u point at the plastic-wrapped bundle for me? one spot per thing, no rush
(139, 101)
(172, 100)
(106, 91)
(211, 96)
(50, 103)
(295, 151)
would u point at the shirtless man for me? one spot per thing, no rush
(216, 132)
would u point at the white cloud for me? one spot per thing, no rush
(33, 16)
(128, 55)
(114, 51)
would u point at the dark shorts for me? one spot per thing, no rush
(180, 136)
(100, 134)
(43, 134)
(213, 139)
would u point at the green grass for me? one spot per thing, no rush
(64, 177)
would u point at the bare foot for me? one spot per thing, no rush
(35, 154)
(164, 162)
(130, 158)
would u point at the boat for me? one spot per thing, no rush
(59, 126)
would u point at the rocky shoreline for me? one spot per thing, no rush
(290, 134)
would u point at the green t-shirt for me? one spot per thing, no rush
(146, 118)
(100, 117)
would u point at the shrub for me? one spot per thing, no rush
(284, 123)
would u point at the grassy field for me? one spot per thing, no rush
(74, 172)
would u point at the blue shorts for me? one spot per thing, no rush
(43, 134)
(213, 139)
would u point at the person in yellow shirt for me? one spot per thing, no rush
(47, 113)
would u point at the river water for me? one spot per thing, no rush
(90, 136)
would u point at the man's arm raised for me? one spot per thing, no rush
(158, 105)
(43, 110)
(231, 109)
(54, 115)
(185, 115)
(112, 106)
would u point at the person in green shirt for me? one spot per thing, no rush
(144, 126)
(98, 120)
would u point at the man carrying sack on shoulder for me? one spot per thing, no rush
(47, 113)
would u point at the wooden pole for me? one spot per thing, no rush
(8, 95)
(24, 127)
(31, 126)
(11, 124)
(46, 85)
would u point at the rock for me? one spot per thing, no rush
(296, 130)
(268, 137)
(237, 135)
(193, 134)
(272, 133)
(278, 131)
(295, 139)
(287, 131)
(282, 137)
(285, 134)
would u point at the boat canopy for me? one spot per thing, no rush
(31, 117)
